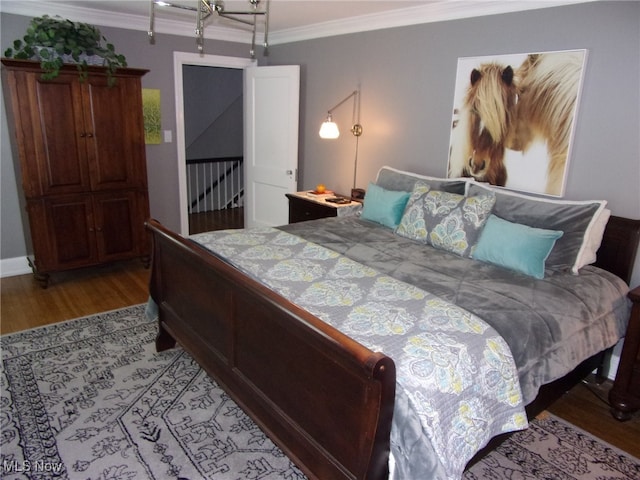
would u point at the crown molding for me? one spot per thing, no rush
(437, 11)
(121, 20)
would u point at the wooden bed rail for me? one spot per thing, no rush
(619, 247)
(323, 398)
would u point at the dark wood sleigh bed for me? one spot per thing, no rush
(326, 400)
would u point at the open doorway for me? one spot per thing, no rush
(209, 129)
(213, 125)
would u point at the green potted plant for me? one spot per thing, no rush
(56, 41)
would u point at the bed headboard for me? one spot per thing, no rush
(617, 253)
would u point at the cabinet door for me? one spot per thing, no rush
(114, 146)
(63, 232)
(58, 142)
(82, 161)
(117, 225)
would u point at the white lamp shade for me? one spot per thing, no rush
(329, 129)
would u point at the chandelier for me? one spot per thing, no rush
(205, 9)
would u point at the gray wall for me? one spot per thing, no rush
(212, 112)
(406, 77)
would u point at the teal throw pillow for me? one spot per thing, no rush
(515, 246)
(445, 220)
(384, 206)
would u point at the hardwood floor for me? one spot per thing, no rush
(76, 293)
(24, 304)
(216, 220)
(83, 292)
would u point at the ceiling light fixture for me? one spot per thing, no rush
(204, 9)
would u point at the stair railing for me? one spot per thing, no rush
(215, 183)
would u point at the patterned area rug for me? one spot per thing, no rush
(91, 399)
(552, 449)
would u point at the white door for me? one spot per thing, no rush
(272, 98)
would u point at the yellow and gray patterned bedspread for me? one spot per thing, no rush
(457, 384)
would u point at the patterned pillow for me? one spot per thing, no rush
(445, 220)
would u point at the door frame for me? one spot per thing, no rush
(180, 59)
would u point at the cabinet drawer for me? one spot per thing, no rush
(301, 210)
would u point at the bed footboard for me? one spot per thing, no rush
(326, 400)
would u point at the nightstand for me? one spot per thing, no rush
(305, 206)
(624, 396)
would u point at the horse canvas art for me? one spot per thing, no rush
(514, 117)
(484, 121)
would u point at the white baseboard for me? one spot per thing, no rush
(614, 361)
(10, 267)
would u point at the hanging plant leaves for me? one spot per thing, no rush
(73, 40)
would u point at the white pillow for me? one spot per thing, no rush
(593, 239)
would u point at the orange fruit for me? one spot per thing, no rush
(320, 188)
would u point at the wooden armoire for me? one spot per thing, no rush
(79, 149)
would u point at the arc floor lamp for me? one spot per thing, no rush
(329, 130)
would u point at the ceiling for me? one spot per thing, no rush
(284, 14)
(289, 20)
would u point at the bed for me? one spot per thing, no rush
(438, 346)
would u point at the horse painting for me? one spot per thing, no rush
(483, 125)
(504, 112)
(547, 95)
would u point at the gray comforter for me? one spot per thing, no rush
(551, 325)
